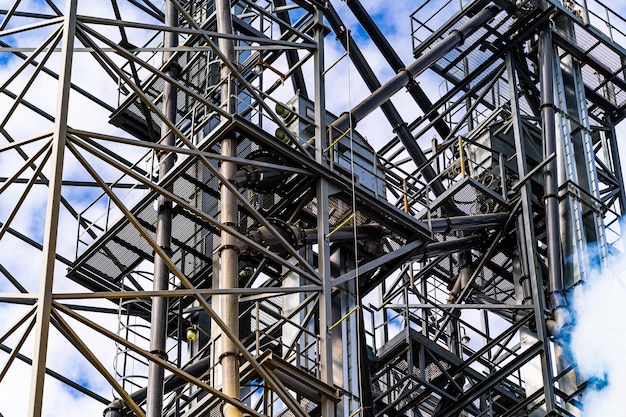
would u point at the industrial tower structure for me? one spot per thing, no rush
(237, 249)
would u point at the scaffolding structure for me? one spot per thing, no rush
(225, 233)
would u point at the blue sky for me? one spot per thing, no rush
(394, 21)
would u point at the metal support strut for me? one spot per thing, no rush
(44, 302)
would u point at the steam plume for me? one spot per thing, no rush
(599, 339)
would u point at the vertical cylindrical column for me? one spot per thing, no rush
(526, 290)
(158, 323)
(561, 325)
(551, 200)
(229, 255)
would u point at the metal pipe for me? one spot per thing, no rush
(299, 237)
(468, 223)
(561, 323)
(447, 247)
(228, 253)
(551, 200)
(158, 323)
(261, 180)
(524, 261)
(455, 387)
(115, 409)
(400, 80)
(171, 383)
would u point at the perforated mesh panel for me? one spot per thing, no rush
(123, 247)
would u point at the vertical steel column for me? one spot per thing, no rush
(321, 139)
(158, 322)
(527, 238)
(44, 303)
(229, 255)
(617, 164)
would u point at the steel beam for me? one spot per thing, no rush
(297, 78)
(527, 237)
(44, 303)
(323, 228)
(396, 63)
(384, 93)
(390, 111)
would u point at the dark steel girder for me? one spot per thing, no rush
(516, 38)
(396, 63)
(292, 55)
(310, 5)
(390, 111)
(492, 381)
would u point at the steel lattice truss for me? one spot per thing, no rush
(212, 239)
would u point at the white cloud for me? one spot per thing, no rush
(599, 337)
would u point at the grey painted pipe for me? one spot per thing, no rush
(171, 383)
(158, 323)
(384, 93)
(468, 223)
(551, 200)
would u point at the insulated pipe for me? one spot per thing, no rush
(455, 387)
(560, 325)
(299, 237)
(465, 273)
(467, 223)
(228, 251)
(384, 93)
(551, 200)
(158, 323)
